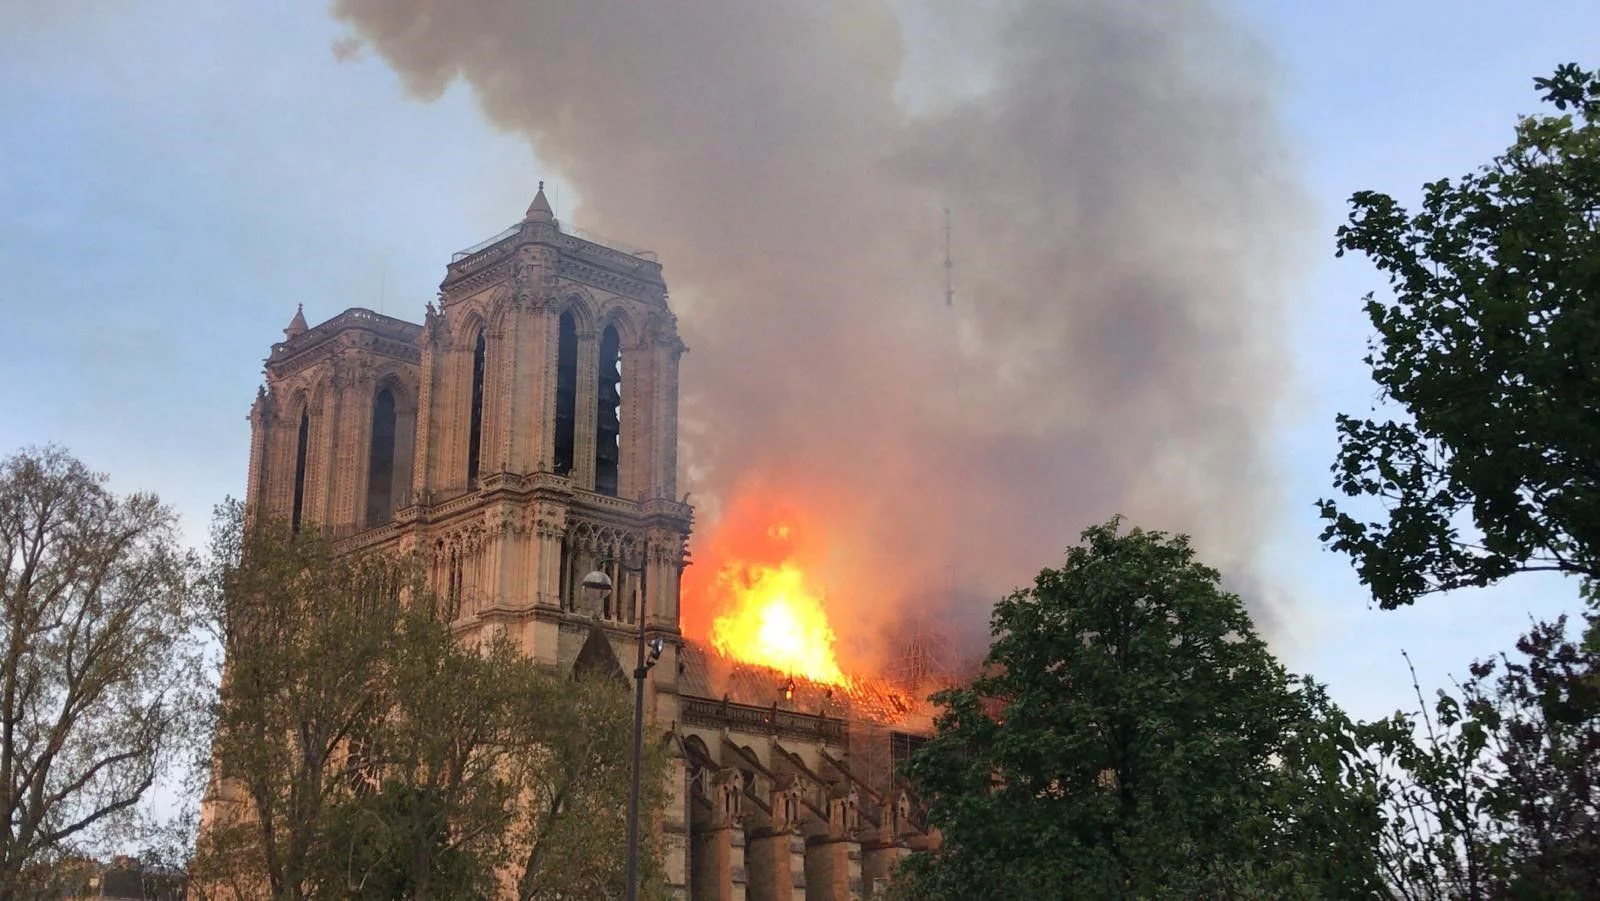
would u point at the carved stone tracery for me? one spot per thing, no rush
(603, 540)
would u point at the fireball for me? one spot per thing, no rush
(774, 619)
(759, 598)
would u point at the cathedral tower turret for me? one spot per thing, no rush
(522, 436)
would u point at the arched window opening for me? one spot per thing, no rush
(475, 437)
(380, 460)
(630, 601)
(564, 589)
(609, 602)
(608, 426)
(300, 470)
(566, 394)
(455, 586)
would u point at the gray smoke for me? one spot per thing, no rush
(1121, 198)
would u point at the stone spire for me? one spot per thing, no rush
(297, 325)
(539, 210)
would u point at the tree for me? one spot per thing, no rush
(1489, 470)
(490, 764)
(363, 752)
(1500, 797)
(1544, 711)
(1133, 737)
(430, 815)
(1487, 348)
(572, 823)
(97, 656)
(306, 633)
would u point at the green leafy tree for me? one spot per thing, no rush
(430, 814)
(487, 766)
(1487, 469)
(572, 824)
(1487, 348)
(363, 752)
(98, 660)
(308, 636)
(1133, 737)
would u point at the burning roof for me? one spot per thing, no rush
(706, 674)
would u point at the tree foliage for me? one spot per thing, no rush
(1487, 347)
(1500, 798)
(571, 825)
(307, 635)
(97, 658)
(1133, 737)
(362, 751)
(437, 769)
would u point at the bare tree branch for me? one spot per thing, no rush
(96, 655)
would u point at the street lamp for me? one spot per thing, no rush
(599, 581)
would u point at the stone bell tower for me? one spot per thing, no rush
(524, 435)
(547, 437)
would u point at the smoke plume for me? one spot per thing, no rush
(1120, 196)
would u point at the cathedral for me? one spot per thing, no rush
(524, 436)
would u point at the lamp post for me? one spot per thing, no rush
(599, 581)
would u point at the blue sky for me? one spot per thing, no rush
(176, 177)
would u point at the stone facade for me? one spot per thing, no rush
(525, 432)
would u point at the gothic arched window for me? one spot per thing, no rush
(566, 394)
(380, 460)
(300, 470)
(453, 593)
(608, 416)
(475, 436)
(564, 592)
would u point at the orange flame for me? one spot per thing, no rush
(775, 620)
(757, 600)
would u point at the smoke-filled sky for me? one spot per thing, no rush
(1147, 317)
(1128, 218)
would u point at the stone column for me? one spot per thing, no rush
(320, 459)
(663, 578)
(529, 337)
(775, 853)
(888, 845)
(638, 421)
(358, 447)
(269, 501)
(833, 856)
(673, 825)
(718, 863)
(255, 487)
(775, 866)
(550, 526)
(449, 407)
(833, 869)
(586, 408)
(422, 449)
(352, 420)
(533, 416)
(664, 380)
(878, 862)
(499, 588)
(456, 433)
